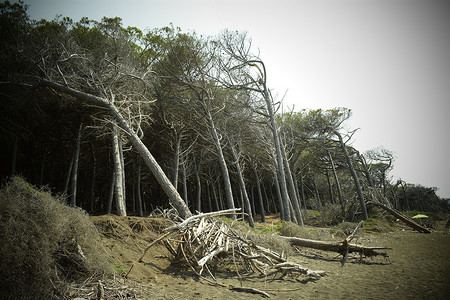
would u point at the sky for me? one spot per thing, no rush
(386, 60)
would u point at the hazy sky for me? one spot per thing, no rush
(387, 60)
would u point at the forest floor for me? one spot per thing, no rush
(418, 266)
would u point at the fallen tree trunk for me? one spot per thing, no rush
(339, 247)
(402, 217)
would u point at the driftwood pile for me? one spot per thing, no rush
(201, 238)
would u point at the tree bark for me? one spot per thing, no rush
(199, 189)
(302, 189)
(355, 177)
(223, 165)
(294, 199)
(176, 160)
(174, 198)
(118, 171)
(330, 187)
(74, 180)
(138, 190)
(185, 188)
(336, 179)
(339, 247)
(245, 198)
(258, 189)
(280, 201)
(279, 160)
(122, 163)
(318, 201)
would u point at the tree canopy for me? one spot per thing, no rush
(85, 105)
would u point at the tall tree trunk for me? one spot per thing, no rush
(294, 199)
(76, 156)
(336, 179)
(365, 169)
(279, 159)
(219, 192)
(302, 189)
(176, 160)
(316, 188)
(258, 189)
(280, 200)
(118, 171)
(266, 198)
(208, 196)
(355, 177)
(252, 201)
(185, 188)
(216, 201)
(199, 189)
(68, 176)
(330, 188)
(223, 165)
(122, 163)
(247, 205)
(174, 198)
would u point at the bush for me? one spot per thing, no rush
(45, 244)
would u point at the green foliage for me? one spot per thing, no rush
(45, 243)
(119, 269)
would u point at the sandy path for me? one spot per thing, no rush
(419, 269)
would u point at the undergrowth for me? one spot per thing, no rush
(45, 244)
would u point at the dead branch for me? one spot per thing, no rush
(203, 238)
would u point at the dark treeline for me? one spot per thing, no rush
(201, 106)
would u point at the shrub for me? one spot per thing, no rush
(45, 244)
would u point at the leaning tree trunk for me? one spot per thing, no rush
(402, 217)
(330, 187)
(118, 171)
(185, 188)
(74, 180)
(294, 199)
(122, 163)
(199, 188)
(223, 164)
(174, 198)
(280, 201)
(247, 205)
(355, 177)
(338, 186)
(279, 159)
(176, 160)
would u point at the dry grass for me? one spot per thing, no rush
(45, 244)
